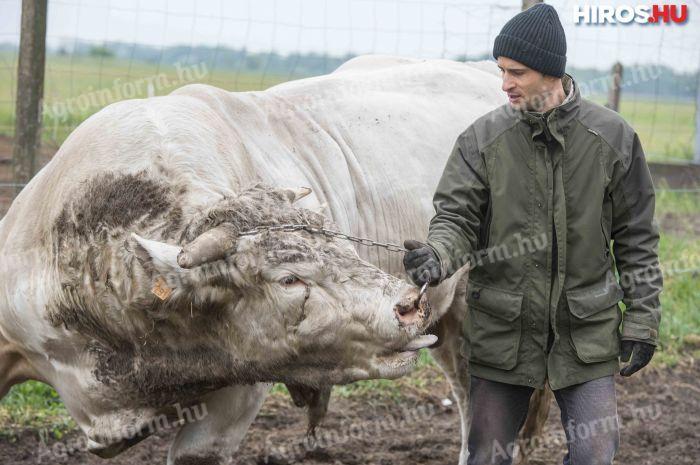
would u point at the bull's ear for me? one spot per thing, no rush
(322, 209)
(294, 194)
(444, 294)
(159, 256)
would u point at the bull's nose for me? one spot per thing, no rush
(410, 310)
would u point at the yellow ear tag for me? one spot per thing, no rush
(161, 289)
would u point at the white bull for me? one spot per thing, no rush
(125, 284)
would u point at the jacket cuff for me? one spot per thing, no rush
(633, 331)
(440, 252)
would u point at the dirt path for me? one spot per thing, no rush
(659, 414)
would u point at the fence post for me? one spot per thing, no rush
(528, 3)
(614, 91)
(30, 89)
(697, 121)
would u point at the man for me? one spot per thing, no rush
(532, 196)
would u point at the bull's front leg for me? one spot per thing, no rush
(215, 438)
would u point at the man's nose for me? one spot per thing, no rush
(507, 84)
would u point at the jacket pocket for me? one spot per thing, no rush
(493, 326)
(594, 320)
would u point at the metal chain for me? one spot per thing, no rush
(330, 233)
(326, 232)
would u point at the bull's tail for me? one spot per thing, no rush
(533, 428)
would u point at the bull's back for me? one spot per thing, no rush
(176, 141)
(395, 121)
(371, 138)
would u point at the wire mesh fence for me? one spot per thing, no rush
(102, 51)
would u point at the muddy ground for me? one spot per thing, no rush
(659, 412)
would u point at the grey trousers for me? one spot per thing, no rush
(588, 416)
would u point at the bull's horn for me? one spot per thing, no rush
(210, 246)
(163, 256)
(298, 193)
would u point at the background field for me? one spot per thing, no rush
(84, 84)
(98, 81)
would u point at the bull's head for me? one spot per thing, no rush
(299, 307)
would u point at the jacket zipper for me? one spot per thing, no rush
(545, 128)
(605, 238)
(486, 230)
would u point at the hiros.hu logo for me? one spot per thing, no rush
(625, 14)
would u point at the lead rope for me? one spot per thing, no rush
(330, 233)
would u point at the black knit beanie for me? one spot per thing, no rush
(535, 38)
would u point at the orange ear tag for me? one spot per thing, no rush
(161, 289)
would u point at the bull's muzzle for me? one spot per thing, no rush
(412, 309)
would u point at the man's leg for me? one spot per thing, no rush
(497, 411)
(589, 418)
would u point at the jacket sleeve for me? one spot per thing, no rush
(460, 202)
(636, 240)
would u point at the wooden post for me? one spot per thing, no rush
(614, 91)
(30, 89)
(528, 3)
(697, 122)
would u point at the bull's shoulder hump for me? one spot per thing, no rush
(487, 66)
(373, 62)
(397, 75)
(608, 124)
(199, 90)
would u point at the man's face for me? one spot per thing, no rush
(526, 88)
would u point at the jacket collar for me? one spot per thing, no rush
(558, 118)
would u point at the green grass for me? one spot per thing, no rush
(76, 87)
(34, 405)
(426, 374)
(665, 127)
(686, 203)
(681, 294)
(679, 252)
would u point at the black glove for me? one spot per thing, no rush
(643, 352)
(421, 263)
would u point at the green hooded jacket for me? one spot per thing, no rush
(532, 201)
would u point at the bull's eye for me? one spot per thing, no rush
(289, 280)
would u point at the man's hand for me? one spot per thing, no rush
(641, 353)
(420, 263)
